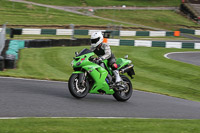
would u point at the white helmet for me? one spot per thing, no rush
(96, 39)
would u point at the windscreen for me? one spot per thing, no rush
(84, 51)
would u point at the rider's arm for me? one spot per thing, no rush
(92, 48)
(107, 50)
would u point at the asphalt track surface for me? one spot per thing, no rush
(35, 98)
(187, 57)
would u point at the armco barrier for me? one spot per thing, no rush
(117, 42)
(27, 31)
(48, 31)
(190, 31)
(81, 32)
(127, 42)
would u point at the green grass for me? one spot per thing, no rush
(25, 37)
(153, 38)
(24, 14)
(110, 2)
(83, 125)
(154, 73)
(160, 19)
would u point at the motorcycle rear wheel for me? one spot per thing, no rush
(124, 95)
(75, 89)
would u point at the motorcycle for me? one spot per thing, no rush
(92, 76)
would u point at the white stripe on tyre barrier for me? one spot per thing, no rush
(113, 42)
(197, 46)
(127, 33)
(64, 31)
(197, 32)
(143, 43)
(173, 45)
(0, 29)
(92, 31)
(157, 33)
(31, 31)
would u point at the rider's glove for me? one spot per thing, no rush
(98, 60)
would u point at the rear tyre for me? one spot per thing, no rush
(124, 95)
(78, 91)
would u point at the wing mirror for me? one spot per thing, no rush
(76, 53)
(126, 56)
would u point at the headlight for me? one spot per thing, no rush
(72, 63)
(78, 63)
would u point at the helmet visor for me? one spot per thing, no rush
(95, 40)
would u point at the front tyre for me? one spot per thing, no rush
(124, 95)
(77, 90)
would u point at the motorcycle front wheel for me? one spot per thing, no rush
(124, 95)
(77, 90)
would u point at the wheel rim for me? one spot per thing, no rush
(125, 93)
(78, 89)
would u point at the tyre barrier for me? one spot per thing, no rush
(10, 53)
(10, 61)
(56, 42)
(2, 56)
(1, 63)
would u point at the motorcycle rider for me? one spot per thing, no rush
(103, 52)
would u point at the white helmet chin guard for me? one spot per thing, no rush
(96, 39)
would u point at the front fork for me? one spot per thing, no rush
(81, 79)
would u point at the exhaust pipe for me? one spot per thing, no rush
(126, 69)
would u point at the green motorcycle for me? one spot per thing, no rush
(90, 76)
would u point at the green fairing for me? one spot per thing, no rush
(97, 72)
(99, 75)
(122, 62)
(108, 68)
(77, 72)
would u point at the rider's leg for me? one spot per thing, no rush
(114, 66)
(116, 73)
(118, 79)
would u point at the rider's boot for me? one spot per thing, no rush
(118, 79)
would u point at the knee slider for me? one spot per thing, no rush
(114, 66)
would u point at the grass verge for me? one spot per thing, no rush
(87, 36)
(110, 2)
(160, 19)
(154, 73)
(18, 13)
(84, 125)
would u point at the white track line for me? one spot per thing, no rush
(69, 117)
(37, 80)
(84, 118)
(166, 55)
(7, 118)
